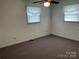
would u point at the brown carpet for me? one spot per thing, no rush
(48, 47)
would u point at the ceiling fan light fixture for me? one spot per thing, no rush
(46, 4)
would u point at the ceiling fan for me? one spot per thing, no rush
(46, 3)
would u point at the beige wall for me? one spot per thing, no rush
(13, 25)
(61, 28)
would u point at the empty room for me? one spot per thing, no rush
(39, 29)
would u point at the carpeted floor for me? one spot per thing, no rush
(48, 47)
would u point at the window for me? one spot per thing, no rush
(33, 14)
(71, 13)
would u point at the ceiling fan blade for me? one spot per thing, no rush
(37, 2)
(55, 2)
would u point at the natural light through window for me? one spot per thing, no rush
(71, 13)
(33, 14)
